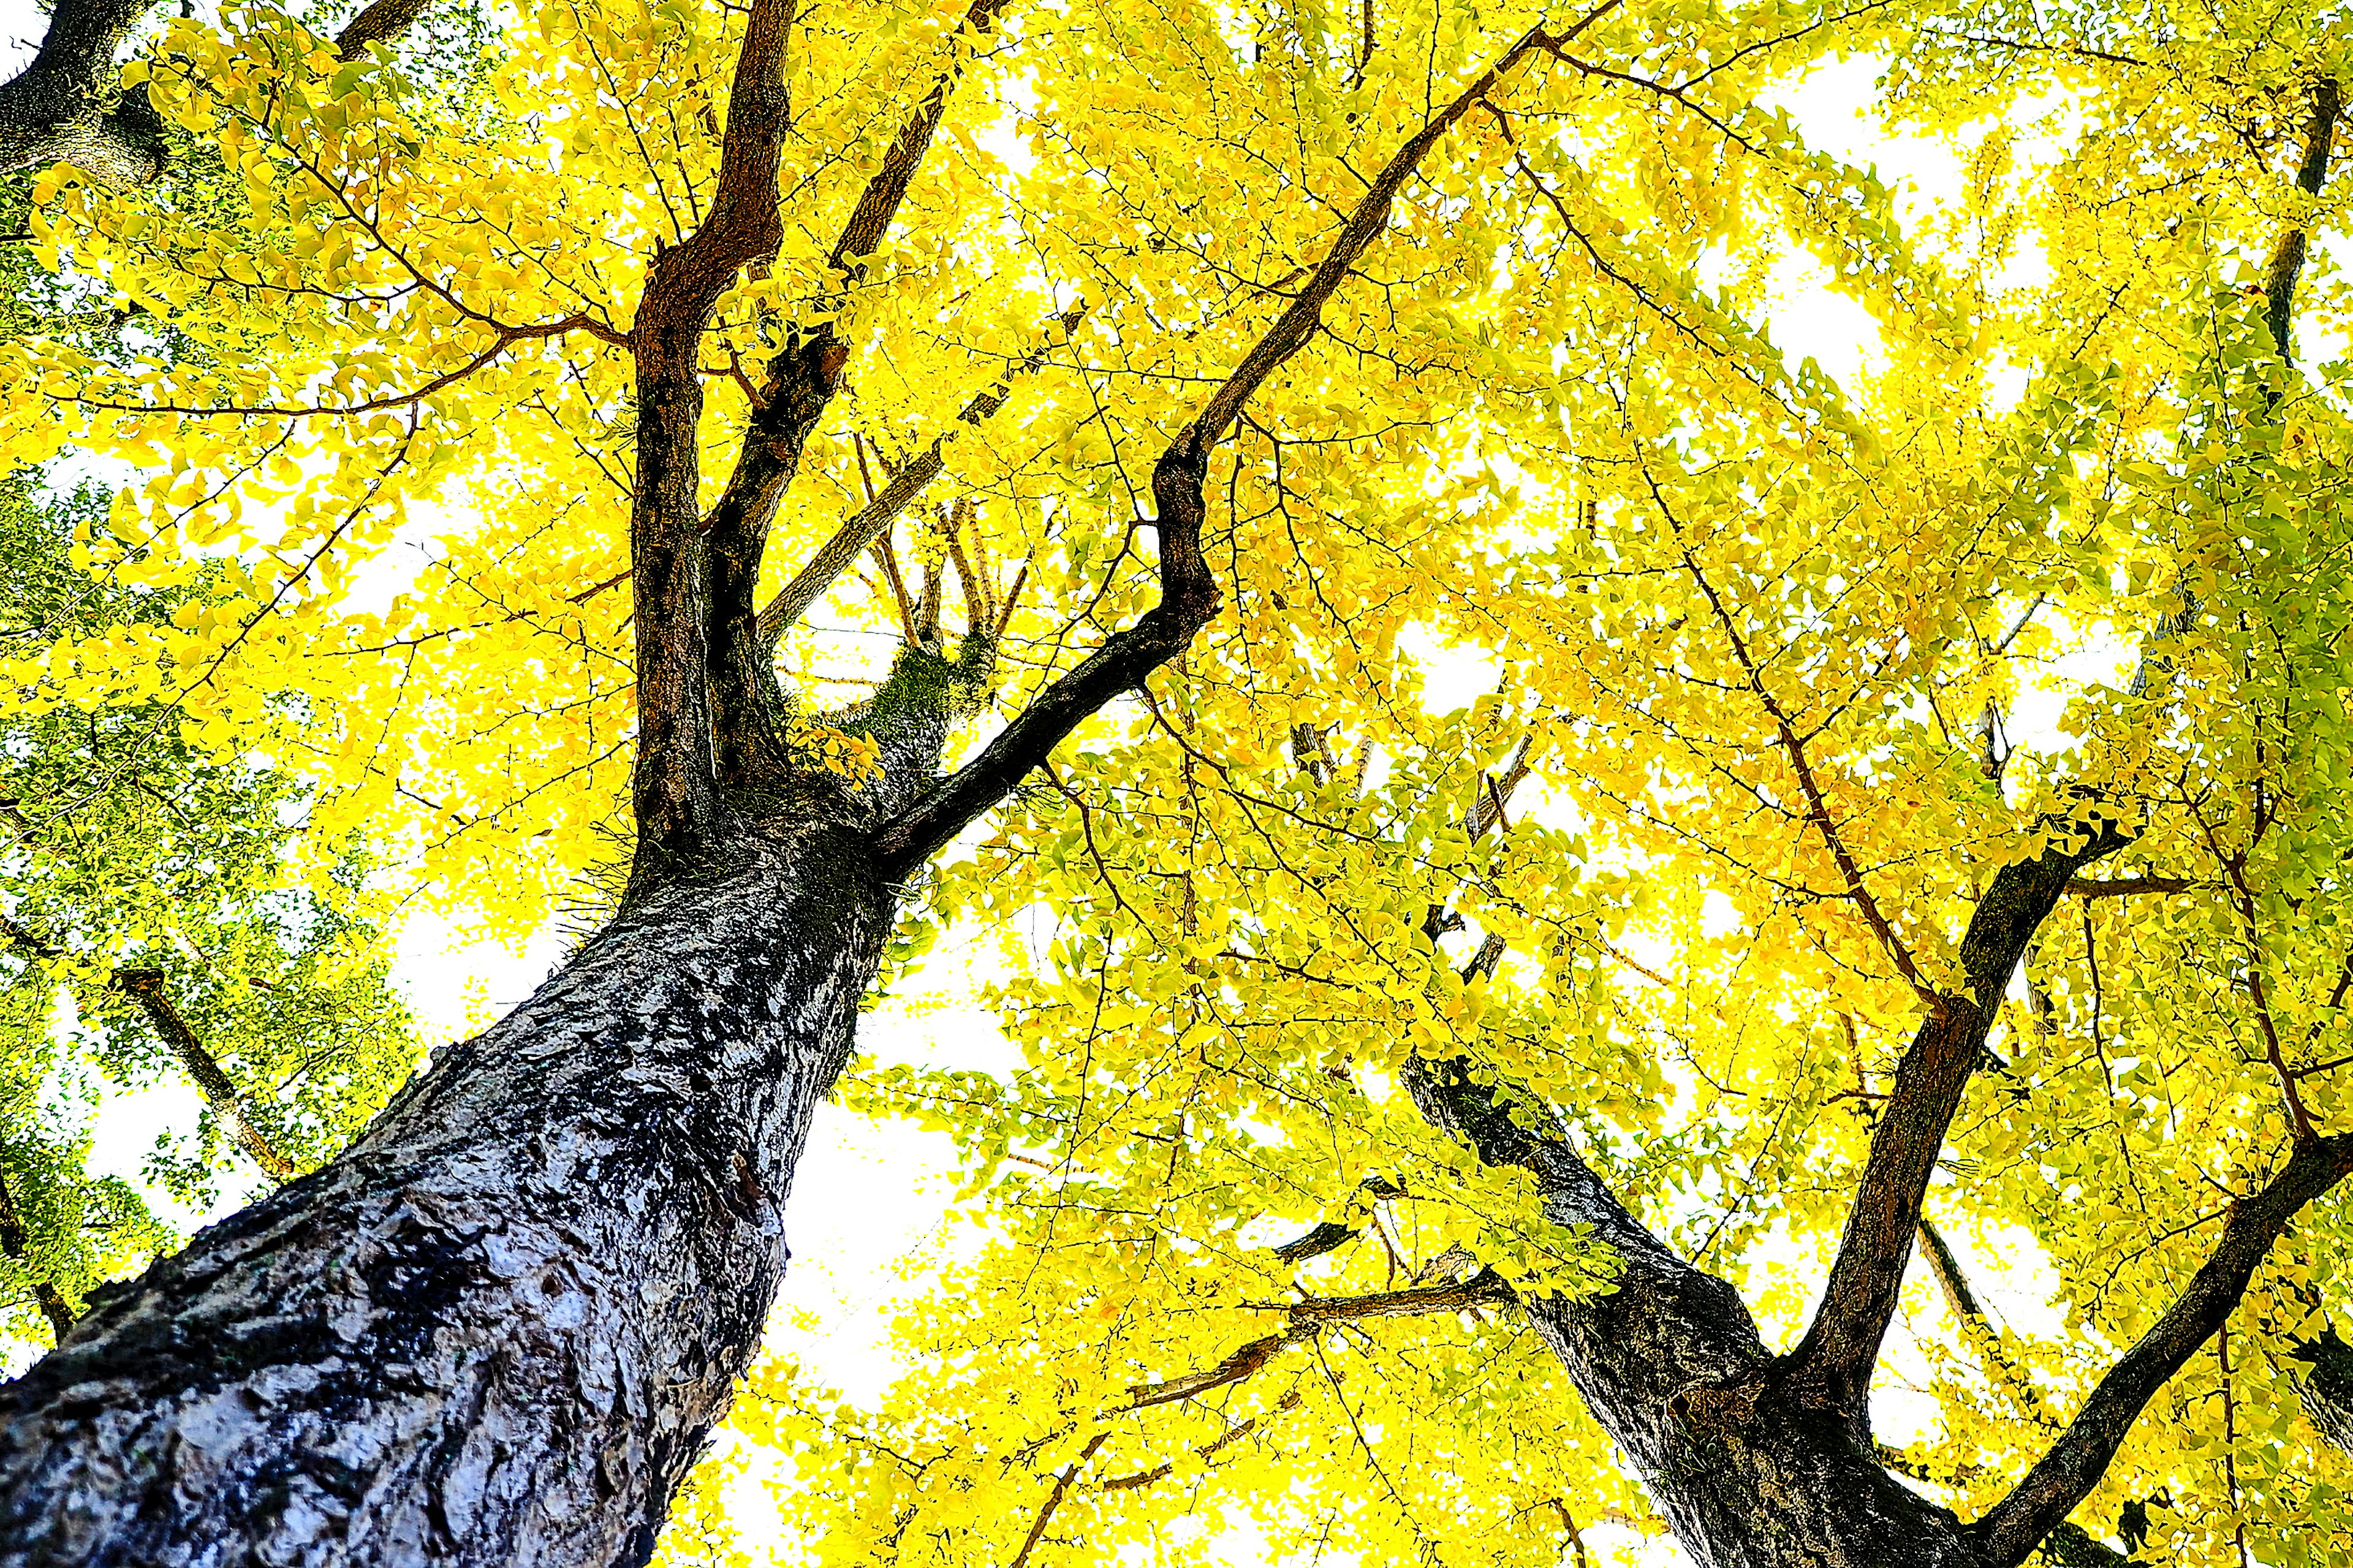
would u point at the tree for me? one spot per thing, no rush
(1094, 267)
(165, 909)
(501, 1324)
(1712, 1001)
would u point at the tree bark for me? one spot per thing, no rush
(62, 108)
(1748, 1471)
(499, 1328)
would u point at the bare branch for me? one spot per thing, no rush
(145, 986)
(1494, 793)
(2119, 887)
(2066, 1475)
(856, 535)
(1330, 1236)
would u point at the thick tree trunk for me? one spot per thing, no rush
(1747, 1475)
(65, 108)
(500, 1328)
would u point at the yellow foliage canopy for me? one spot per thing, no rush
(1788, 668)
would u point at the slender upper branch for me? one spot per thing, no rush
(145, 986)
(1188, 594)
(800, 383)
(2312, 172)
(1365, 223)
(1818, 811)
(1306, 1318)
(1209, 1450)
(1976, 1328)
(2066, 1475)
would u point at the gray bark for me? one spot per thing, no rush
(500, 1328)
(63, 108)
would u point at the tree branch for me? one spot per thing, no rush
(2066, 1475)
(1330, 1236)
(1209, 1450)
(145, 986)
(2119, 886)
(1832, 1365)
(2326, 1391)
(673, 782)
(858, 533)
(63, 109)
(1188, 592)
(378, 22)
(13, 1236)
(2287, 257)
(1307, 1319)
(1054, 1499)
(1976, 1328)
(800, 383)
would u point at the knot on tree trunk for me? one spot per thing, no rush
(1719, 1408)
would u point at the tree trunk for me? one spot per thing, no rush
(500, 1328)
(1748, 1471)
(1747, 1475)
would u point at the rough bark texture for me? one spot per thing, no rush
(63, 109)
(1765, 1461)
(498, 1329)
(1748, 1474)
(1835, 1363)
(2327, 1388)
